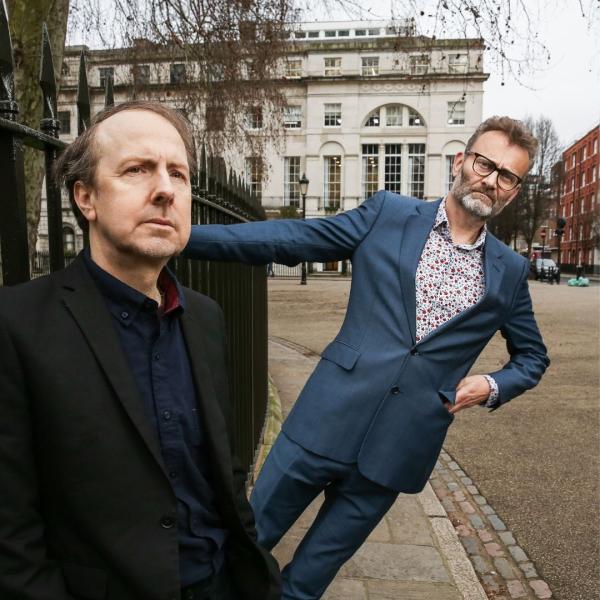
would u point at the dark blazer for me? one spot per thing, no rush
(376, 396)
(86, 508)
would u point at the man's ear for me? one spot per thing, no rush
(85, 199)
(459, 159)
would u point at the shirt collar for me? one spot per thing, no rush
(442, 224)
(125, 302)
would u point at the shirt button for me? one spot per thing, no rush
(166, 415)
(167, 522)
(124, 315)
(172, 474)
(395, 390)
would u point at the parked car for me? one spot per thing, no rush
(545, 269)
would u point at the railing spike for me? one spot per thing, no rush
(109, 93)
(8, 106)
(47, 81)
(83, 98)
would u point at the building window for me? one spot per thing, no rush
(293, 67)
(419, 64)
(291, 176)
(416, 170)
(65, 70)
(333, 115)
(360, 32)
(292, 117)
(254, 118)
(333, 66)
(215, 118)
(68, 240)
(370, 66)
(457, 63)
(595, 147)
(332, 190)
(370, 169)
(393, 167)
(313, 34)
(373, 119)
(105, 73)
(414, 118)
(344, 33)
(330, 33)
(64, 116)
(374, 31)
(393, 116)
(141, 74)
(584, 153)
(254, 174)
(456, 112)
(177, 73)
(449, 175)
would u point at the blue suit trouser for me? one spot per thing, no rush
(289, 481)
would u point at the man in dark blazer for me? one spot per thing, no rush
(430, 287)
(117, 476)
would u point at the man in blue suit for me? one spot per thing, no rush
(430, 287)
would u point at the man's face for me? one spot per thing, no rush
(480, 196)
(140, 202)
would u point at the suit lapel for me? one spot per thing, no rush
(494, 265)
(83, 300)
(416, 230)
(213, 420)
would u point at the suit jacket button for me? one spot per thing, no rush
(395, 390)
(414, 352)
(167, 522)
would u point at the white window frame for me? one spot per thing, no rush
(457, 113)
(458, 62)
(332, 200)
(393, 115)
(332, 112)
(369, 66)
(332, 66)
(419, 64)
(293, 68)
(291, 177)
(292, 116)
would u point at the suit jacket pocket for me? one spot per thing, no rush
(85, 582)
(341, 355)
(449, 395)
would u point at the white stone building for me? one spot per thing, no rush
(370, 106)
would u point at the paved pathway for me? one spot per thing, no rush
(424, 549)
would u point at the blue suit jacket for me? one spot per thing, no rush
(376, 396)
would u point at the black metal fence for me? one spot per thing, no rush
(218, 197)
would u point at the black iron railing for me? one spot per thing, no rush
(218, 197)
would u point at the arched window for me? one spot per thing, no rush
(68, 240)
(394, 115)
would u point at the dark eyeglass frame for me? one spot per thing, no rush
(501, 172)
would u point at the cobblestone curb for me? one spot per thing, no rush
(502, 566)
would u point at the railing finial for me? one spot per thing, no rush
(83, 97)
(50, 123)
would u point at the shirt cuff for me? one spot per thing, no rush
(493, 399)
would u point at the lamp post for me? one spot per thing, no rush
(303, 183)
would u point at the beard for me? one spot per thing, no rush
(474, 206)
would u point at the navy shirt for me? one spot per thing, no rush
(153, 343)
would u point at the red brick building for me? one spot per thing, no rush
(580, 203)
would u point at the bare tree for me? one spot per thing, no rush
(230, 56)
(535, 199)
(25, 22)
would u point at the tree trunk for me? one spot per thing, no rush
(25, 20)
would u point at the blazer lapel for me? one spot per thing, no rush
(416, 230)
(494, 265)
(213, 420)
(83, 300)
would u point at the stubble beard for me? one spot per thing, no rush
(463, 194)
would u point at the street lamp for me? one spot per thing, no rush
(303, 184)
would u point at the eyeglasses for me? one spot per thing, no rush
(483, 166)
